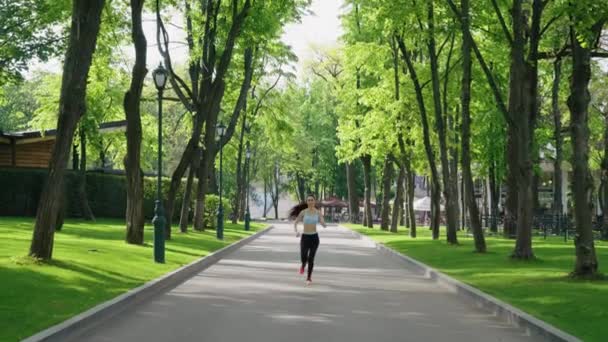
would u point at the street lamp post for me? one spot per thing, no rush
(247, 214)
(160, 80)
(220, 212)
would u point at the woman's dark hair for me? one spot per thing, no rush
(296, 210)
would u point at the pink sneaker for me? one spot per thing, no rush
(302, 270)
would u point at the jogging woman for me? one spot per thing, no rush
(310, 216)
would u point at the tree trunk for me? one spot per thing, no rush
(604, 181)
(244, 191)
(353, 199)
(275, 200)
(463, 204)
(535, 188)
(435, 209)
(559, 141)
(189, 158)
(387, 180)
(524, 110)
(510, 219)
(265, 197)
(411, 193)
(465, 98)
(586, 265)
(203, 183)
(86, 15)
(454, 171)
(368, 220)
(301, 181)
(239, 176)
(135, 177)
(449, 192)
(184, 217)
(75, 157)
(398, 203)
(494, 194)
(87, 213)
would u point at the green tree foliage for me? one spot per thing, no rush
(29, 30)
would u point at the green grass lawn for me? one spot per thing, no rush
(91, 264)
(540, 287)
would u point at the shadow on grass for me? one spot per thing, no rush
(32, 300)
(100, 275)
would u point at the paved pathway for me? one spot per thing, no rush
(257, 295)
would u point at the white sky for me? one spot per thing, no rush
(321, 28)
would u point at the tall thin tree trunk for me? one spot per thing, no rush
(559, 141)
(604, 181)
(406, 195)
(398, 203)
(387, 180)
(135, 177)
(368, 220)
(449, 192)
(494, 197)
(411, 193)
(582, 182)
(465, 97)
(353, 198)
(435, 209)
(87, 212)
(277, 179)
(86, 15)
(404, 219)
(184, 217)
(463, 204)
(239, 173)
(202, 186)
(265, 197)
(244, 191)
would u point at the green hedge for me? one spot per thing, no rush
(20, 190)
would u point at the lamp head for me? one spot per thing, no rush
(220, 130)
(159, 75)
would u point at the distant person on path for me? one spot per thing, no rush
(310, 216)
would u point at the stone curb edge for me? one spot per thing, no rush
(76, 325)
(480, 299)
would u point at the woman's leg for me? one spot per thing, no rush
(304, 248)
(313, 250)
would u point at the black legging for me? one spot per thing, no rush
(308, 249)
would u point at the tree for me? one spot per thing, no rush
(469, 190)
(213, 41)
(584, 36)
(86, 18)
(135, 182)
(205, 93)
(435, 187)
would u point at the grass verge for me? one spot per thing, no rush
(91, 264)
(540, 287)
